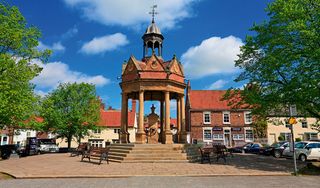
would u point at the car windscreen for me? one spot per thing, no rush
(300, 145)
(47, 141)
(276, 145)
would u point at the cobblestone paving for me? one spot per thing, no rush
(61, 165)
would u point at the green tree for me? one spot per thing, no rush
(71, 111)
(18, 44)
(281, 62)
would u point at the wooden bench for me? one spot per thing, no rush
(96, 154)
(222, 152)
(80, 149)
(205, 154)
(218, 151)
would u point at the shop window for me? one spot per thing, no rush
(249, 135)
(238, 136)
(217, 137)
(226, 117)
(311, 136)
(207, 134)
(206, 117)
(286, 136)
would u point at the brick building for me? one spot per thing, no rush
(209, 119)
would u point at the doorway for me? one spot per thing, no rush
(227, 138)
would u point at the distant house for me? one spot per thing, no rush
(108, 128)
(209, 119)
(279, 129)
(4, 137)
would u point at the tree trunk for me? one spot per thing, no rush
(69, 138)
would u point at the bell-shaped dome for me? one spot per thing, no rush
(153, 29)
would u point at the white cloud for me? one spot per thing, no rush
(133, 13)
(213, 56)
(106, 43)
(218, 84)
(55, 47)
(70, 33)
(57, 72)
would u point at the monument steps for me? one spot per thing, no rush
(147, 153)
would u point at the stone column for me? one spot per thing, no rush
(168, 134)
(124, 119)
(178, 118)
(140, 135)
(183, 133)
(161, 122)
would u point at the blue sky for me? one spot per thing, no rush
(91, 39)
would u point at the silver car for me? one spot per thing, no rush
(305, 150)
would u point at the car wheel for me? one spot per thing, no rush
(277, 154)
(303, 157)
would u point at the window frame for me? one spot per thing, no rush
(246, 137)
(238, 137)
(229, 117)
(219, 137)
(96, 143)
(116, 131)
(204, 117)
(96, 131)
(245, 117)
(203, 134)
(304, 124)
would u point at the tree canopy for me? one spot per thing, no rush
(18, 43)
(71, 110)
(281, 62)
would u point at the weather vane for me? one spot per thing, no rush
(153, 12)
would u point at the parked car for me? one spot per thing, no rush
(253, 148)
(47, 146)
(275, 149)
(240, 149)
(306, 150)
(6, 150)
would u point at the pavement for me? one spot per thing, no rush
(64, 166)
(167, 182)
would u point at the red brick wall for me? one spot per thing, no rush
(236, 120)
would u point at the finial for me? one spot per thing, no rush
(152, 108)
(153, 12)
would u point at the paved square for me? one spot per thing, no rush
(62, 165)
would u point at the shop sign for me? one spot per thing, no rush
(217, 129)
(236, 129)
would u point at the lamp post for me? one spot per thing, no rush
(292, 120)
